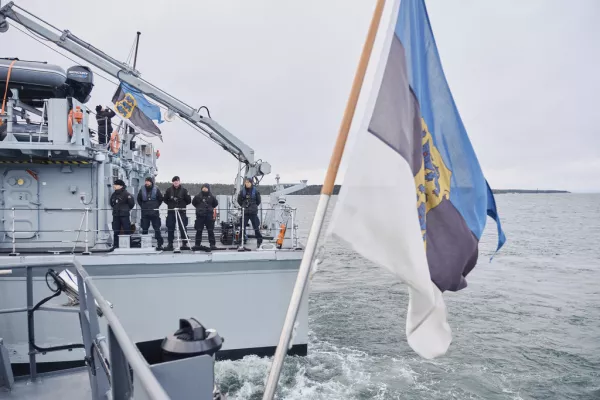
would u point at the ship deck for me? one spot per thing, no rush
(250, 245)
(69, 384)
(225, 254)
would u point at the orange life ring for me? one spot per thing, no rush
(77, 116)
(70, 123)
(115, 143)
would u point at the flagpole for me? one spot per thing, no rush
(137, 45)
(326, 192)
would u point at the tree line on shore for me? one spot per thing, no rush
(222, 188)
(310, 190)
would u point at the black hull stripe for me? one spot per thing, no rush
(21, 369)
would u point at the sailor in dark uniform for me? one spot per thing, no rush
(150, 198)
(249, 200)
(103, 117)
(205, 204)
(177, 197)
(121, 202)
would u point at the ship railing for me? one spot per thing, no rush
(109, 359)
(34, 137)
(10, 114)
(144, 155)
(84, 231)
(42, 126)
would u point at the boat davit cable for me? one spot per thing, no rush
(60, 287)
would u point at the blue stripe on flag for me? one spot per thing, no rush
(152, 111)
(469, 191)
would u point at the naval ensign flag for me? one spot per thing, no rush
(414, 199)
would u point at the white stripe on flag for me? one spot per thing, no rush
(376, 214)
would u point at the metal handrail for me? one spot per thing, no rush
(87, 288)
(57, 209)
(87, 230)
(130, 351)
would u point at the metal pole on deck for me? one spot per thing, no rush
(177, 248)
(187, 238)
(326, 192)
(14, 240)
(242, 232)
(87, 230)
(293, 228)
(83, 218)
(30, 323)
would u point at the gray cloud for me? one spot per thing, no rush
(277, 74)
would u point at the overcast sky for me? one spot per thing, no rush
(277, 74)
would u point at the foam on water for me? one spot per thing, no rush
(329, 372)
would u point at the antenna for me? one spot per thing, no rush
(137, 45)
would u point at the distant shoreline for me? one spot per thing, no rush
(528, 191)
(311, 190)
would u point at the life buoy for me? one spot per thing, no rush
(74, 116)
(281, 236)
(115, 143)
(70, 123)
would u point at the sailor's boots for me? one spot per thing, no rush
(169, 247)
(212, 246)
(258, 242)
(185, 245)
(197, 246)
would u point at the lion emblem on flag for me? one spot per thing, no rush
(433, 179)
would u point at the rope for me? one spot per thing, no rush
(6, 90)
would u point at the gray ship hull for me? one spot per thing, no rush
(56, 182)
(242, 294)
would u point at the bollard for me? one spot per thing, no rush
(124, 241)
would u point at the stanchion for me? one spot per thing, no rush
(177, 248)
(294, 244)
(242, 232)
(87, 229)
(14, 240)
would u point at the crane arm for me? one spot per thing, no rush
(125, 73)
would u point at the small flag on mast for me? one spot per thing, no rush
(414, 199)
(131, 105)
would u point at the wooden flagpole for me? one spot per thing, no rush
(326, 192)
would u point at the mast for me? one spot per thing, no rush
(137, 45)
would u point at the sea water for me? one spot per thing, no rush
(526, 327)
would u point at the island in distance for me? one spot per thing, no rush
(311, 190)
